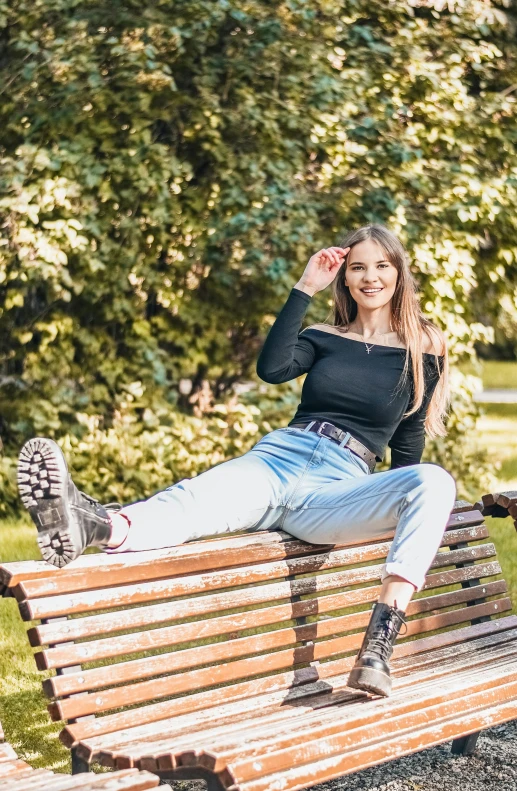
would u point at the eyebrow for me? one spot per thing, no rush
(384, 261)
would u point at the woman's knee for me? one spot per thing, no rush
(435, 482)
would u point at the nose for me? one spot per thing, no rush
(370, 276)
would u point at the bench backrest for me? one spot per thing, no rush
(144, 636)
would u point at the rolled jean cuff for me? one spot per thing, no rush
(401, 570)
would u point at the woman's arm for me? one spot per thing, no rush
(286, 354)
(408, 441)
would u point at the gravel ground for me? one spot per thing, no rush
(493, 767)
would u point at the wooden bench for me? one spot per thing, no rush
(17, 775)
(227, 659)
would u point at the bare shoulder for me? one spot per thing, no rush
(325, 327)
(433, 340)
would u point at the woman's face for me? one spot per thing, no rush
(370, 277)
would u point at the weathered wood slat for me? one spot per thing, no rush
(127, 780)
(317, 561)
(506, 499)
(354, 576)
(13, 766)
(17, 775)
(283, 689)
(234, 727)
(232, 624)
(89, 626)
(389, 749)
(89, 601)
(28, 778)
(32, 780)
(339, 749)
(218, 746)
(151, 690)
(116, 569)
(6, 753)
(86, 573)
(331, 721)
(194, 679)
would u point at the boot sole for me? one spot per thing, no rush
(370, 680)
(42, 484)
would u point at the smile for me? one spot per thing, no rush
(371, 290)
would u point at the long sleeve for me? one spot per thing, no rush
(408, 441)
(287, 354)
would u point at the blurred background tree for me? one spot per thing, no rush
(167, 169)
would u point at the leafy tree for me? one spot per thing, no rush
(168, 168)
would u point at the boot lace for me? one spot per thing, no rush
(97, 505)
(382, 639)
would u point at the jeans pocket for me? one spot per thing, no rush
(358, 461)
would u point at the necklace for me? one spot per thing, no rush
(370, 346)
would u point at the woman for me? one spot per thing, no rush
(376, 376)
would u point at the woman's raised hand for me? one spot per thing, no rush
(322, 268)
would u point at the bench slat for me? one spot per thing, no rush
(371, 735)
(235, 727)
(6, 753)
(23, 777)
(331, 720)
(89, 626)
(285, 686)
(232, 624)
(150, 690)
(218, 747)
(127, 780)
(86, 573)
(319, 560)
(58, 606)
(141, 668)
(11, 767)
(384, 750)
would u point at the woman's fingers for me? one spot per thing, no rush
(337, 255)
(341, 251)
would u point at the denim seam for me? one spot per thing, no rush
(301, 477)
(366, 497)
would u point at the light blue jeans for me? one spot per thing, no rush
(314, 489)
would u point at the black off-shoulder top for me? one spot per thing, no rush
(357, 391)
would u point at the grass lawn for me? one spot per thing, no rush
(23, 705)
(495, 373)
(498, 432)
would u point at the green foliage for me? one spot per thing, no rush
(168, 168)
(472, 465)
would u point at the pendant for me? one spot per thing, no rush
(369, 348)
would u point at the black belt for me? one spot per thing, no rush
(337, 435)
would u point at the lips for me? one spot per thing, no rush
(369, 291)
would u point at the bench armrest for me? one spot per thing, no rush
(500, 505)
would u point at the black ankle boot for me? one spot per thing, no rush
(68, 521)
(371, 671)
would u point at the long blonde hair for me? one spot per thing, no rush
(407, 319)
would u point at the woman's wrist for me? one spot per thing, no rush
(301, 286)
